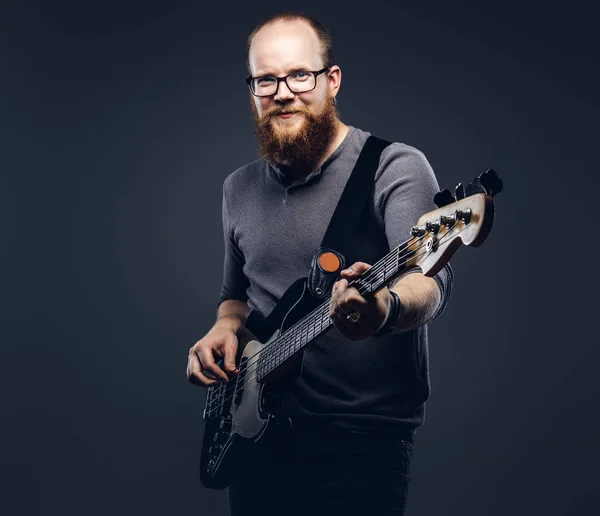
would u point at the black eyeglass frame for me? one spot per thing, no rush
(316, 73)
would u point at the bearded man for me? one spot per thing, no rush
(362, 390)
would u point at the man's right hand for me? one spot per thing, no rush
(202, 369)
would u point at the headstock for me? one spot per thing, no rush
(487, 183)
(464, 218)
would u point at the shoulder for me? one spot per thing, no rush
(240, 179)
(397, 158)
(401, 159)
(404, 174)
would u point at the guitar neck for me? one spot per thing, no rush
(435, 238)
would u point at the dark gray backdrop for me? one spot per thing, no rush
(120, 121)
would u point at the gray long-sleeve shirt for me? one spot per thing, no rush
(271, 231)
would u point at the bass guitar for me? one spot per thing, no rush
(242, 412)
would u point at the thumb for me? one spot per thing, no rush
(229, 354)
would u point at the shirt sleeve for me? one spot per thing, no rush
(405, 185)
(235, 282)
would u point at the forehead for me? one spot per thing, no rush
(283, 46)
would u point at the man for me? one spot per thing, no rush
(361, 394)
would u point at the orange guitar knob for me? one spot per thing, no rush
(329, 262)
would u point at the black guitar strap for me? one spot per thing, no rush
(329, 259)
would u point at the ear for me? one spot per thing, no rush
(334, 79)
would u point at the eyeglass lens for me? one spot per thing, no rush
(297, 83)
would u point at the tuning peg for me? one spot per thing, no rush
(491, 182)
(459, 192)
(443, 198)
(474, 187)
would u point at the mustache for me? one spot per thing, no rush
(276, 112)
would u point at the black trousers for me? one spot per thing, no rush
(325, 471)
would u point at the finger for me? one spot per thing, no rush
(336, 295)
(207, 362)
(351, 300)
(340, 286)
(195, 374)
(347, 300)
(352, 331)
(340, 293)
(229, 355)
(342, 313)
(354, 302)
(197, 377)
(364, 323)
(356, 269)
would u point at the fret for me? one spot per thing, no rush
(285, 350)
(304, 336)
(271, 362)
(385, 265)
(276, 355)
(290, 344)
(297, 336)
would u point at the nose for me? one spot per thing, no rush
(283, 93)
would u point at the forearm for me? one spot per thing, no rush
(232, 314)
(420, 298)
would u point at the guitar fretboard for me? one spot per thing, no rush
(318, 321)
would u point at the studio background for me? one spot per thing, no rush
(119, 123)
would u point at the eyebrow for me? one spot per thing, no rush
(295, 69)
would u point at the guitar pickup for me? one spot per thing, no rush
(240, 380)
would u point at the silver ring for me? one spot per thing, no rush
(353, 317)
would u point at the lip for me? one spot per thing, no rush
(287, 115)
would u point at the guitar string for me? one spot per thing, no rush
(300, 326)
(269, 353)
(268, 349)
(220, 403)
(232, 384)
(390, 259)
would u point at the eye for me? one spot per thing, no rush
(265, 81)
(300, 75)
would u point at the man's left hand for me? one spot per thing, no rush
(346, 300)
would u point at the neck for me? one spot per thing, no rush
(341, 131)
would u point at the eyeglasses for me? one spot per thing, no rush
(298, 82)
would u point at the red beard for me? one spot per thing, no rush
(299, 148)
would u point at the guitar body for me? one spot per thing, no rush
(246, 411)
